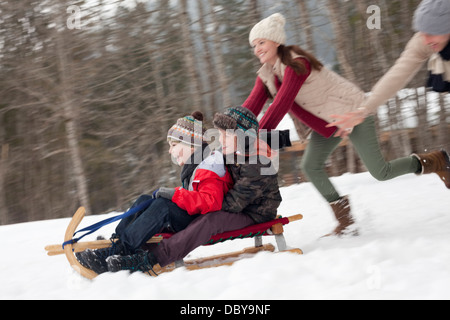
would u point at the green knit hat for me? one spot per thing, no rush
(237, 118)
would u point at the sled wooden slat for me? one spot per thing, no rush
(275, 229)
(85, 272)
(56, 249)
(221, 260)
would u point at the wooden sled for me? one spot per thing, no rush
(272, 228)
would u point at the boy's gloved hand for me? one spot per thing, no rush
(164, 193)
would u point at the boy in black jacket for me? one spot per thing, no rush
(254, 197)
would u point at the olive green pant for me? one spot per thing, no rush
(365, 141)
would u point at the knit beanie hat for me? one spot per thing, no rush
(237, 118)
(271, 28)
(433, 17)
(188, 130)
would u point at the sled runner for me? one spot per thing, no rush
(271, 228)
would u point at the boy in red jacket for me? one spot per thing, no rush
(204, 185)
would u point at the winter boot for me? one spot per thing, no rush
(96, 259)
(141, 261)
(436, 162)
(341, 209)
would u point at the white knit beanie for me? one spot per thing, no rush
(433, 17)
(271, 28)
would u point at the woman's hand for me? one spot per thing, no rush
(346, 122)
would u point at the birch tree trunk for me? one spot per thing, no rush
(347, 70)
(373, 35)
(188, 50)
(208, 60)
(71, 115)
(220, 64)
(423, 132)
(3, 169)
(305, 25)
(443, 134)
(340, 39)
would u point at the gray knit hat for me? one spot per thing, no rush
(433, 17)
(188, 130)
(271, 28)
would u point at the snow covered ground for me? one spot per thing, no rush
(403, 253)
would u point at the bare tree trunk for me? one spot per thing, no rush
(340, 40)
(396, 44)
(443, 136)
(255, 12)
(423, 131)
(374, 39)
(395, 119)
(3, 170)
(347, 69)
(405, 141)
(4, 151)
(220, 64)
(71, 116)
(209, 74)
(188, 47)
(305, 25)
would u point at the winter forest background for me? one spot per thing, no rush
(89, 89)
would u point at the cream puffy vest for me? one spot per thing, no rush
(323, 94)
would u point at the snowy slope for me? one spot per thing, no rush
(403, 253)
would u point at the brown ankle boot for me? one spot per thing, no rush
(436, 162)
(341, 209)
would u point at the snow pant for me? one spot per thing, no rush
(161, 215)
(197, 234)
(365, 141)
